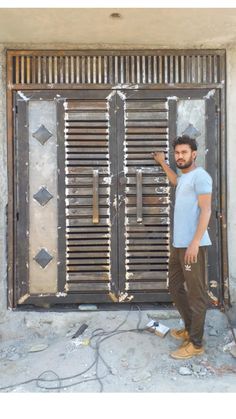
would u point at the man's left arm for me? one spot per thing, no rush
(204, 203)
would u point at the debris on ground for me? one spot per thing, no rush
(159, 329)
(228, 346)
(142, 377)
(110, 356)
(81, 330)
(38, 348)
(185, 371)
(87, 307)
(213, 332)
(233, 351)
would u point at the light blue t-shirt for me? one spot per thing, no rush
(187, 211)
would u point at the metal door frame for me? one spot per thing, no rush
(14, 85)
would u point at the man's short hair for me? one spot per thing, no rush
(185, 139)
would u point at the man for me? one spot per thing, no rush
(190, 239)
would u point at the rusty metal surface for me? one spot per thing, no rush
(191, 74)
(149, 67)
(139, 258)
(146, 195)
(88, 257)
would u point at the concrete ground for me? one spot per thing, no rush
(38, 353)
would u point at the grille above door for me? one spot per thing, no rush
(31, 68)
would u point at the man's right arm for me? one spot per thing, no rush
(159, 157)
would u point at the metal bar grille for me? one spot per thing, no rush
(87, 196)
(186, 68)
(146, 195)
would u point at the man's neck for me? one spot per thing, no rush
(189, 169)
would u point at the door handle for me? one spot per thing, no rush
(95, 197)
(139, 196)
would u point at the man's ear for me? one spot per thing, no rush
(194, 154)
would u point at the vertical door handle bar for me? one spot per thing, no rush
(139, 196)
(95, 197)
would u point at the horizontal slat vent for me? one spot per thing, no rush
(87, 202)
(157, 68)
(147, 196)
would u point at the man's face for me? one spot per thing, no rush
(184, 156)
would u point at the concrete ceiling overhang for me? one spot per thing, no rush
(164, 28)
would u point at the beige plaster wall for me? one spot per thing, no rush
(159, 27)
(231, 165)
(3, 185)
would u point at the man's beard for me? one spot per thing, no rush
(185, 165)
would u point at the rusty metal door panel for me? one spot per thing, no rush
(144, 226)
(103, 226)
(36, 204)
(200, 117)
(90, 183)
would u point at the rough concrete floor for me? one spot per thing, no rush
(39, 345)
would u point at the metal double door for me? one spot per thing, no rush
(96, 212)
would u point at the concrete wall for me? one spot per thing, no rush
(157, 27)
(231, 166)
(3, 184)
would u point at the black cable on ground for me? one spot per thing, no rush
(101, 336)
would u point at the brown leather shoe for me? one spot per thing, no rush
(181, 334)
(187, 351)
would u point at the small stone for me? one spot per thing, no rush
(185, 371)
(2, 354)
(38, 348)
(111, 317)
(211, 345)
(213, 332)
(140, 388)
(114, 371)
(203, 373)
(142, 377)
(181, 323)
(174, 378)
(125, 364)
(197, 368)
(13, 357)
(85, 342)
(89, 307)
(228, 347)
(233, 351)
(12, 348)
(46, 321)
